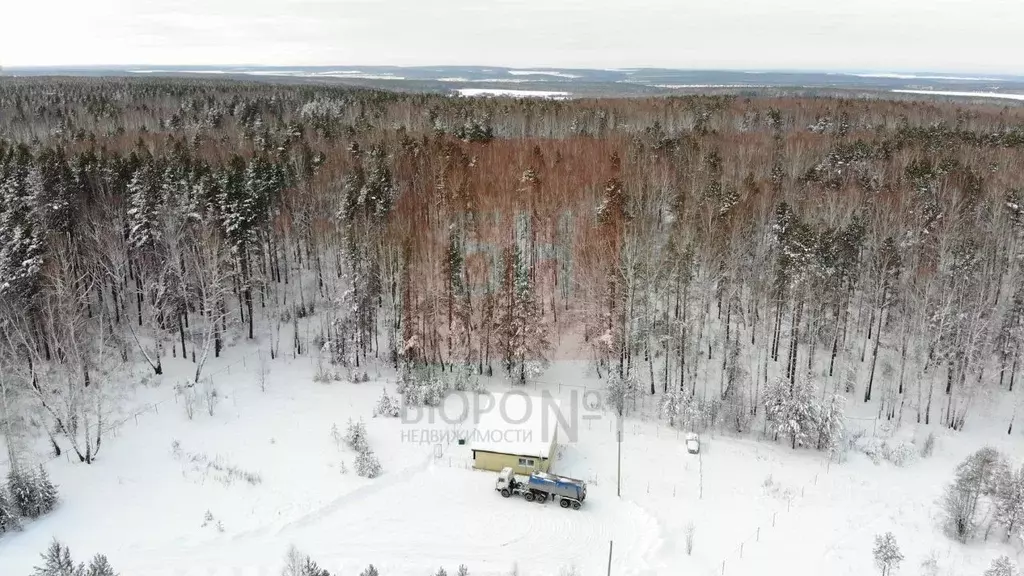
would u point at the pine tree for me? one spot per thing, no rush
(790, 410)
(387, 406)
(57, 562)
(8, 513)
(355, 436)
(99, 566)
(367, 464)
(831, 424)
(519, 327)
(48, 496)
(371, 570)
(310, 568)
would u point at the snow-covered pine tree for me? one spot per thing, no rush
(831, 423)
(8, 513)
(791, 410)
(672, 405)
(371, 570)
(887, 554)
(387, 406)
(367, 464)
(355, 435)
(22, 243)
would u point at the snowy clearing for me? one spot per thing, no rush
(753, 505)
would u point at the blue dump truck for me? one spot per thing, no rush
(539, 486)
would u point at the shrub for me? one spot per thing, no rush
(370, 571)
(691, 530)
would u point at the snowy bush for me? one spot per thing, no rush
(57, 562)
(901, 453)
(371, 570)
(387, 406)
(691, 530)
(367, 464)
(355, 436)
(887, 553)
(32, 493)
(1002, 566)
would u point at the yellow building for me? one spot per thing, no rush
(519, 431)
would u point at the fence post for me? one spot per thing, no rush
(774, 516)
(136, 419)
(758, 533)
(723, 566)
(741, 549)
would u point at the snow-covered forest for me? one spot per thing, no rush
(743, 261)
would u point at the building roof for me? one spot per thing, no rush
(518, 424)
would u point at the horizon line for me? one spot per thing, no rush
(745, 70)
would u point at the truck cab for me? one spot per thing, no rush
(507, 483)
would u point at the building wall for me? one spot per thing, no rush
(495, 461)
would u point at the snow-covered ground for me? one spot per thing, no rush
(756, 507)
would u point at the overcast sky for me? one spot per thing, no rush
(876, 35)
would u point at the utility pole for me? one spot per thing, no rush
(609, 558)
(618, 489)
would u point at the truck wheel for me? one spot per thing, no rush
(563, 503)
(530, 496)
(575, 505)
(542, 498)
(505, 493)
